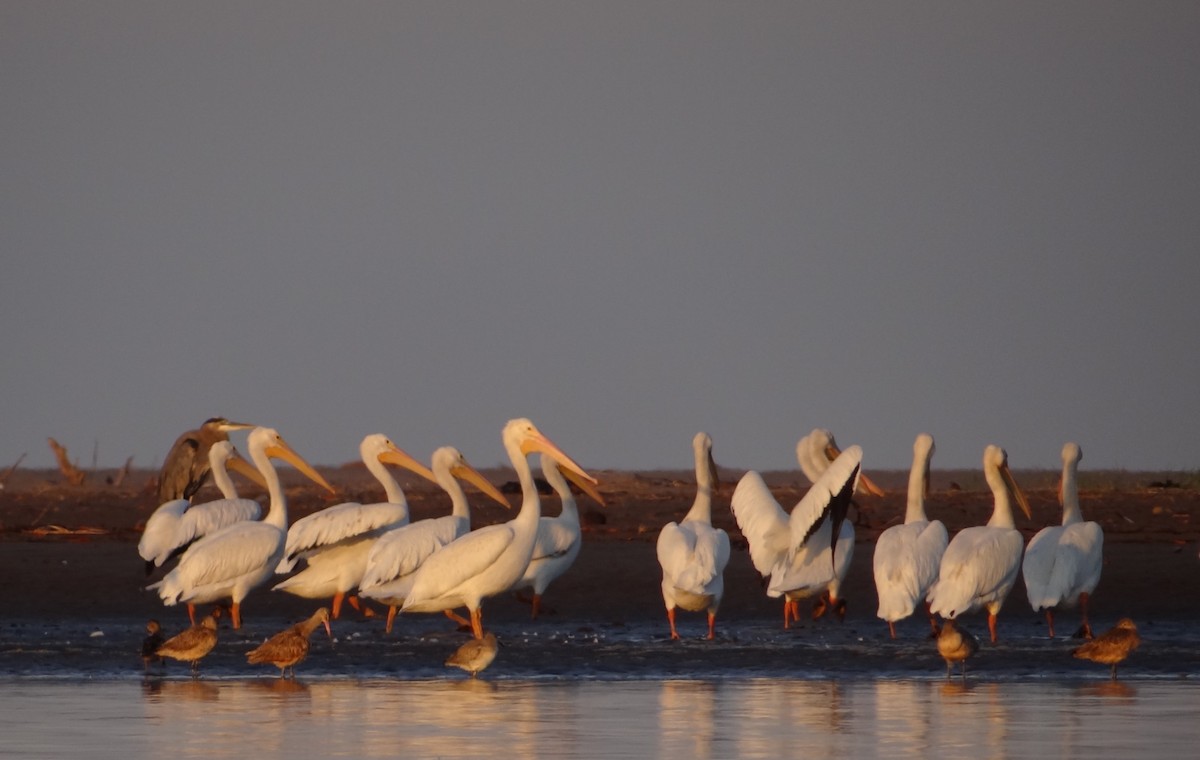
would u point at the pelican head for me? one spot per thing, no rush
(523, 435)
(995, 459)
(451, 460)
(379, 447)
(702, 447)
(923, 449)
(271, 443)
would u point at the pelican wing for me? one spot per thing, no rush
(400, 552)
(828, 499)
(761, 520)
(211, 516)
(341, 522)
(978, 564)
(229, 553)
(1062, 561)
(460, 561)
(554, 539)
(158, 537)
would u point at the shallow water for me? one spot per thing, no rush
(755, 717)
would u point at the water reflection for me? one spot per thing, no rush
(702, 719)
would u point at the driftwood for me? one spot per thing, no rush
(8, 473)
(73, 474)
(122, 473)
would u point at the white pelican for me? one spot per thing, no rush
(186, 465)
(559, 538)
(228, 564)
(907, 557)
(490, 560)
(335, 541)
(177, 523)
(394, 558)
(981, 563)
(815, 452)
(693, 553)
(797, 552)
(1062, 562)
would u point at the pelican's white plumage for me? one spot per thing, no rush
(177, 523)
(230, 563)
(981, 563)
(693, 553)
(396, 555)
(490, 560)
(795, 550)
(559, 539)
(907, 556)
(336, 540)
(1063, 562)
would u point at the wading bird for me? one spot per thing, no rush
(981, 563)
(288, 648)
(175, 525)
(955, 644)
(1063, 562)
(1112, 646)
(475, 655)
(798, 553)
(559, 538)
(490, 560)
(907, 557)
(335, 541)
(396, 556)
(693, 553)
(194, 643)
(230, 563)
(186, 466)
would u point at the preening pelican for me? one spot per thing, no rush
(228, 564)
(490, 560)
(559, 538)
(1063, 562)
(799, 553)
(907, 557)
(336, 540)
(186, 466)
(177, 523)
(981, 563)
(395, 557)
(693, 553)
(289, 647)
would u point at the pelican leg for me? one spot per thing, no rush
(536, 605)
(1050, 621)
(712, 626)
(992, 625)
(892, 628)
(671, 620)
(820, 606)
(337, 604)
(462, 621)
(391, 618)
(235, 613)
(192, 613)
(840, 608)
(477, 622)
(1085, 630)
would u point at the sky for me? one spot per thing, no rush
(627, 221)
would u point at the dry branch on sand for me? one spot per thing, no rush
(73, 474)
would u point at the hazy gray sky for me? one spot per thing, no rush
(628, 221)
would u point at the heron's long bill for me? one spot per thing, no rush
(228, 426)
(396, 456)
(281, 450)
(1015, 490)
(235, 462)
(472, 476)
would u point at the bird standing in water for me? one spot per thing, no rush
(154, 639)
(475, 655)
(1112, 646)
(193, 644)
(288, 648)
(955, 645)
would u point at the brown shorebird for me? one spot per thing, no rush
(287, 648)
(475, 655)
(955, 645)
(154, 639)
(1112, 646)
(193, 644)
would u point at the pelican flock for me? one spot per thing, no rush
(440, 565)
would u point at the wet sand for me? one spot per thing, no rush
(74, 602)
